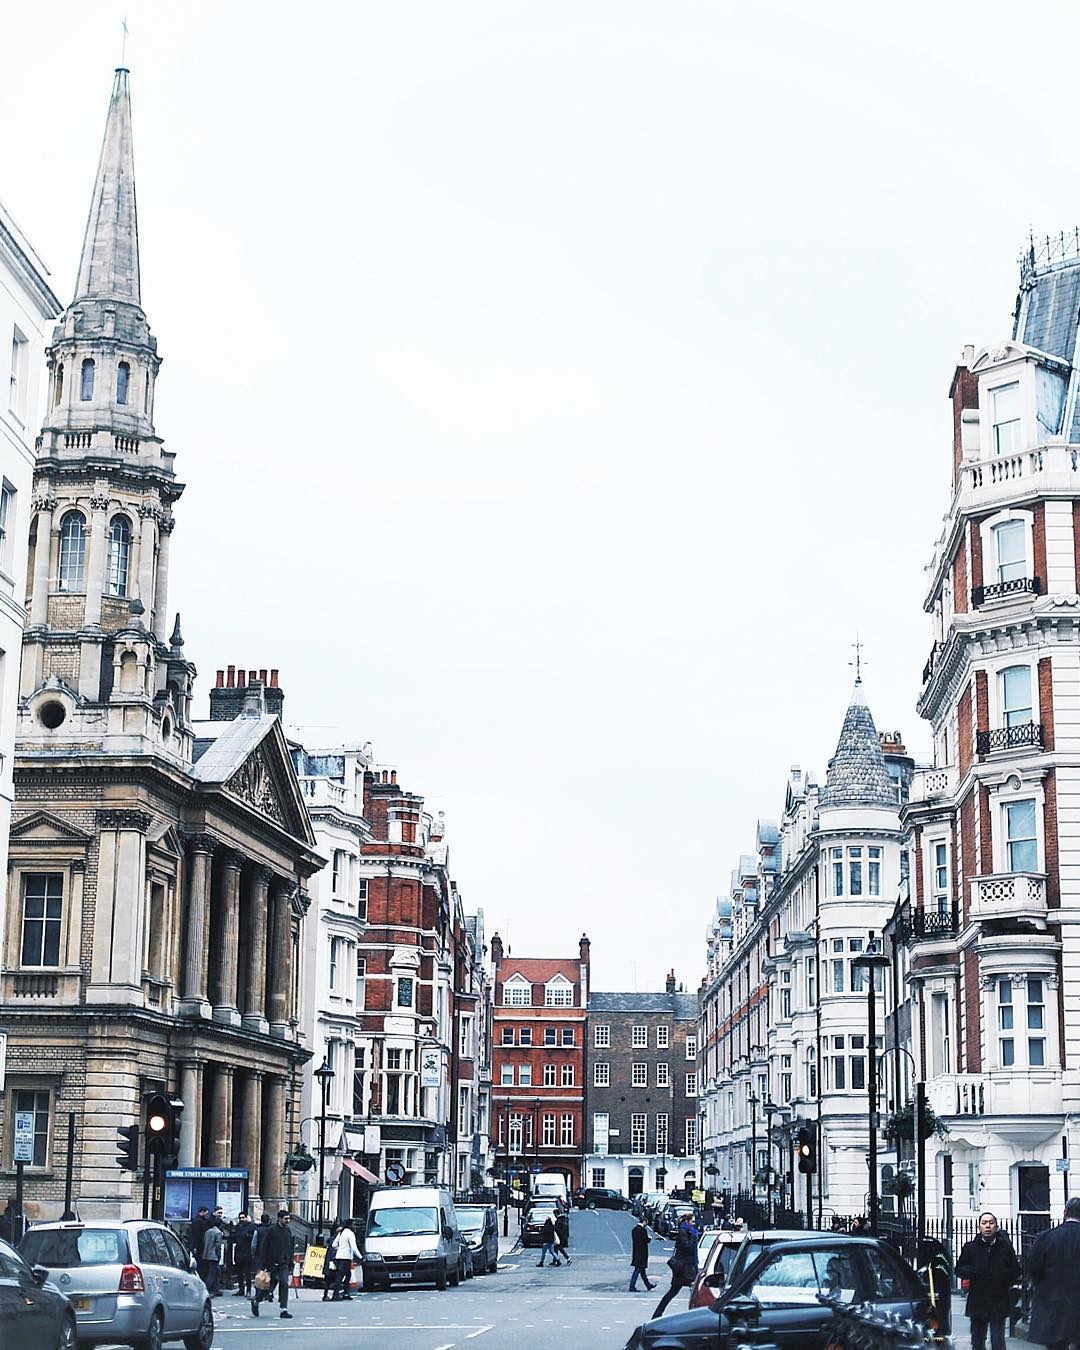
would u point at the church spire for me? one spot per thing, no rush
(109, 265)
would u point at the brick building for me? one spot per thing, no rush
(642, 1092)
(539, 1059)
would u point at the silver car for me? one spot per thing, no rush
(130, 1282)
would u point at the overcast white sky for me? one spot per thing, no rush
(560, 386)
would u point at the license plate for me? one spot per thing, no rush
(81, 1304)
(401, 1274)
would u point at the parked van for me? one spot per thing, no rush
(412, 1236)
(551, 1186)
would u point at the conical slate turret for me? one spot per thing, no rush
(857, 773)
(109, 265)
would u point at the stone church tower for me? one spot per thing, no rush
(156, 889)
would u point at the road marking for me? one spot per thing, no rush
(473, 1334)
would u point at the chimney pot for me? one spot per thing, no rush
(385, 775)
(253, 675)
(273, 679)
(393, 775)
(232, 678)
(262, 676)
(220, 678)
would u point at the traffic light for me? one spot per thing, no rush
(158, 1123)
(176, 1121)
(127, 1143)
(806, 1150)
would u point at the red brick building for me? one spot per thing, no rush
(538, 1093)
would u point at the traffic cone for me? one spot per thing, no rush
(298, 1266)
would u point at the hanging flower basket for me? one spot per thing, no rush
(901, 1124)
(713, 1170)
(299, 1160)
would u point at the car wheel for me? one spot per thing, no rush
(152, 1339)
(203, 1339)
(455, 1279)
(440, 1279)
(66, 1340)
(592, 1204)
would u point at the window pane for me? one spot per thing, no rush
(1007, 1053)
(1006, 413)
(1036, 1052)
(1011, 542)
(1016, 695)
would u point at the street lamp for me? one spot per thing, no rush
(753, 1147)
(872, 960)
(325, 1074)
(770, 1108)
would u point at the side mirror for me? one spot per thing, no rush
(742, 1309)
(716, 1280)
(40, 1274)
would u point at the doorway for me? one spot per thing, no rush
(635, 1181)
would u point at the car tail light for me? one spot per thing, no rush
(131, 1281)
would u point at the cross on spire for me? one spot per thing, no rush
(123, 41)
(857, 663)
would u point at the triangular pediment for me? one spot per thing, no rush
(43, 826)
(266, 782)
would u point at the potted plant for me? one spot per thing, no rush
(299, 1160)
(901, 1124)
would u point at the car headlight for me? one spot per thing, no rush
(427, 1256)
(372, 1256)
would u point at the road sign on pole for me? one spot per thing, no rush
(23, 1139)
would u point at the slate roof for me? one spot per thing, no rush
(217, 758)
(538, 969)
(1048, 307)
(683, 1007)
(857, 774)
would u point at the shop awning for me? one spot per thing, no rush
(359, 1170)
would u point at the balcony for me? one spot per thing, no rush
(1005, 590)
(929, 783)
(1015, 1102)
(1025, 735)
(957, 1094)
(931, 925)
(1016, 896)
(928, 669)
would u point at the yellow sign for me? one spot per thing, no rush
(313, 1263)
(698, 1197)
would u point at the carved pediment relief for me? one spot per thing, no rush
(42, 827)
(254, 784)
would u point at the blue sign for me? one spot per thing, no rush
(535, 1169)
(186, 1188)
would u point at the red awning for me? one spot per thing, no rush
(359, 1170)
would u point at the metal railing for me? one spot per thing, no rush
(935, 923)
(998, 590)
(1009, 738)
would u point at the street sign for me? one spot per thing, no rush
(430, 1067)
(1062, 1164)
(23, 1141)
(395, 1173)
(535, 1169)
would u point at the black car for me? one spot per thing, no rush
(480, 1228)
(600, 1197)
(667, 1219)
(34, 1315)
(784, 1280)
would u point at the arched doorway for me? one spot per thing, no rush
(635, 1181)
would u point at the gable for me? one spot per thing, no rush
(266, 782)
(42, 827)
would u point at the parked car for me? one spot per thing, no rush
(412, 1237)
(480, 1225)
(652, 1202)
(533, 1222)
(668, 1219)
(34, 1314)
(600, 1197)
(718, 1256)
(129, 1282)
(783, 1279)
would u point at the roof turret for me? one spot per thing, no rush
(857, 774)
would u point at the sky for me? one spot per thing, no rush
(561, 388)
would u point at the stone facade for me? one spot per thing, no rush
(642, 1092)
(158, 866)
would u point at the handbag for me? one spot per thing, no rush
(263, 1280)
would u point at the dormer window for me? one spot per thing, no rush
(559, 993)
(517, 992)
(1005, 402)
(123, 372)
(86, 387)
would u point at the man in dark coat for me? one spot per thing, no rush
(989, 1264)
(1052, 1268)
(547, 1240)
(639, 1255)
(683, 1263)
(275, 1254)
(197, 1235)
(243, 1255)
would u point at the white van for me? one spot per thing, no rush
(551, 1186)
(411, 1236)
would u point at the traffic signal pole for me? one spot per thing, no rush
(146, 1177)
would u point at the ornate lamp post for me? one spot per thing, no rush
(753, 1146)
(871, 961)
(770, 1108)
(325, 1074)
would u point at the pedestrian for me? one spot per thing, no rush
(547, 1243)
(1052, 1267)
(276, 1257)
(639, 1255)
(990, 1267)
(683, 1263)
(859, 1226)
(199, 1224)
(213, 1241)
(562, 1234)
(328, 1272)
(243, 1254)
(345, 1253)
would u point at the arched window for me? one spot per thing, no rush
(58, 384)
(72, 551)
(116, 564)
(86, 389)
(123, 370)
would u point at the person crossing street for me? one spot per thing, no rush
(547, 1243)
(639, 1256)
(275, 1255)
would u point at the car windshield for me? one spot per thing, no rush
(58, 1247)
(404, 1222)
(470, 1220)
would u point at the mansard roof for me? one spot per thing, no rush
(857, 774)
(682, 1007)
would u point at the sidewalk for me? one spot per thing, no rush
(961, 1334)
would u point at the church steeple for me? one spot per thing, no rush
(109, 265)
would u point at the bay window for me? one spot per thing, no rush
(1021, 843)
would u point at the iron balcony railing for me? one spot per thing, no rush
(999, 589)
(936, 923)
(1009, 738)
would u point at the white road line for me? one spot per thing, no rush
(473, 1334)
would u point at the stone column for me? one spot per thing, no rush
(249, 1129)
(221, 1117)
(191, 1082)
(149, 516)
(225, 993)
(280, 960)
(161, 581)
(274, 1142)
(45, 505)
(200, 854)
(258, 905)
(95, 562)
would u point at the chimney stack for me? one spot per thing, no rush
(238, 686)
(496, 948)
(583, 949)
(671, 982)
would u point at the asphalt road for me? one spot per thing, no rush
(586, 1303)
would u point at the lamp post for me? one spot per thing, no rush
(325, 1074)
(753, 1146)
(871, 961)
(770, 1108)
